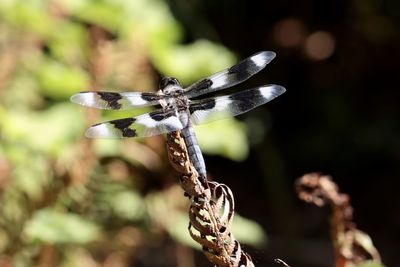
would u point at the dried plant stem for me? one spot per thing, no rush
(279, 261)
(211, 210)
(352, 246)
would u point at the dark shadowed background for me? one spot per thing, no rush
(66, 200)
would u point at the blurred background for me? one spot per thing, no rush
(69, 201)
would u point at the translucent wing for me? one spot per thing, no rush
(153, 123)
(116, 101)
(211, 109)
(231, 76)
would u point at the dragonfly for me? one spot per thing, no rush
(177, 110)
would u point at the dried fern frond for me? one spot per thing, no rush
(211, 210)
(352, 246)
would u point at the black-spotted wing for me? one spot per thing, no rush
(210, 109)
(231, 76)
(116, 101)
(148, 124)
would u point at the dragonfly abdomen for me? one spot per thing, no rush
(195, 155)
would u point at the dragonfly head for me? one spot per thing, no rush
(169, 85)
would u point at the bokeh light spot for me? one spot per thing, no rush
(319, 45)
(289, 32)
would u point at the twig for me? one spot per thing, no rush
(279, 261)
(352, 246)
(211, 210)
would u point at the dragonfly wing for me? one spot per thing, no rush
(116, 101)
(231, 76)
(211, 109)
(149, 124)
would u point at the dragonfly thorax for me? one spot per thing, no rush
(175, 98)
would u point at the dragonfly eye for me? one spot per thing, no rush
(166, 81)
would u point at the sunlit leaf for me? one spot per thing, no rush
(370, 264)
(70, 43)
(157, 23)
(32, 174)
(226, 138)
(77, 256)
(178, 230)
(248, 231)
(22, 92)
(107, 147)
(29, 15)
(59, 81)
(49, 131)
(52, 226)
(128, 205)
(192, 62)
(4, 240)
(99, 13)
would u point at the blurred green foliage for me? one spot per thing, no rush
(49, 226)
(65, 198)
(370, 264)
